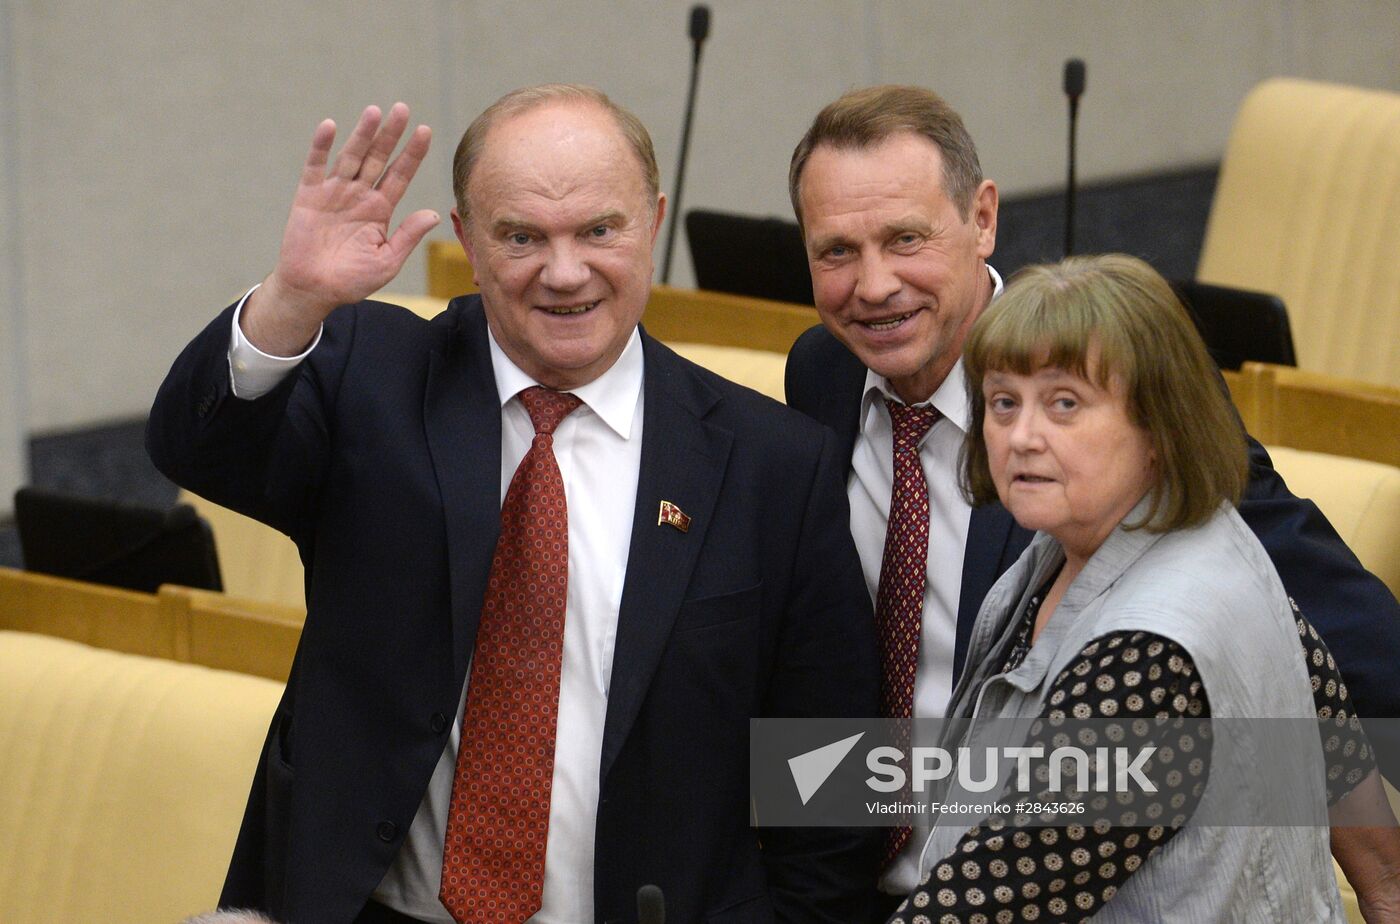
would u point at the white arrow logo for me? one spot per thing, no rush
(810, 770)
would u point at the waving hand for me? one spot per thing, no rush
(337, 247)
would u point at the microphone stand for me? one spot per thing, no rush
(699, 28)
(1074, 87)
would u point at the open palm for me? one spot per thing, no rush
(337, 248)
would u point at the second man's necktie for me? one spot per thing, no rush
(899, 602)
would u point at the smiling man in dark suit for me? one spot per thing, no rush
(527, 514)
(899, 224)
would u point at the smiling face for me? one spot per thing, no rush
(560, 235)
(1065, 454)
(898, 273)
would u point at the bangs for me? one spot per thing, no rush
(1111, 317)
(1037, 327)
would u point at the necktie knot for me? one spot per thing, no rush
(548, 408)
(910, 423)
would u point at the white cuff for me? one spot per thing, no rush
(252, 372)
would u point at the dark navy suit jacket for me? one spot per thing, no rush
(380, 456)
(1354, 611)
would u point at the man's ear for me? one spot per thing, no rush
(984, 216)
(459, 228)
(660, 214)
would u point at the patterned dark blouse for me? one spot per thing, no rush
(1001, 872)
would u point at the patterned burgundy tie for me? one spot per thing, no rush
(498, 820)
(899, 602)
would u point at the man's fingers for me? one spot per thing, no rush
(347, 163)
(412, 230)
(321, 140)
(401, 171)
(384, 142)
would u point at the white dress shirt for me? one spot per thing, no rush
(869, 489)
(598, 448)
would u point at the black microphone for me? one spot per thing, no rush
(699, 25)
(651, 905)
(1074, 88)
(699, 31)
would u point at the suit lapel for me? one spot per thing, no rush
(848, 389)
(837, 385)
(993, 543)
(683, 461)
(462, 413)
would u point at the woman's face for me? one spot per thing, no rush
(1065, 455)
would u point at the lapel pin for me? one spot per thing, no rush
(671, 515)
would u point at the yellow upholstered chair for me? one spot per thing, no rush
(124, 780)
(256, 561)
(1307, 208)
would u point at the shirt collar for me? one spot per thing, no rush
(950, 398)
(612, 395)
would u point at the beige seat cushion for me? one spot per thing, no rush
(122, 781)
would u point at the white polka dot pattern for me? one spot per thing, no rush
(1048, 879)
(498, 819)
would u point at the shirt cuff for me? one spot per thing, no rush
(253, 373)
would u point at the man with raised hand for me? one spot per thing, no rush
(552, 568)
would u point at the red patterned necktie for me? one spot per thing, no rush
(498, 820)
(899, 602)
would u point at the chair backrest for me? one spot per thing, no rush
(1283, 406)
(124, 778)
(123, 544)
(256, 561)
(1360, 499)
(676, 315)
(449, 273)
(1308, 208)
(177, 624)
(749, 255)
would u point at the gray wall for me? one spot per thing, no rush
(150, 149)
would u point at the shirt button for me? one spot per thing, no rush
(386, 831)
(438, 723)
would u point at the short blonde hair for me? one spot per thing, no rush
(523, 100)
(1055, 315)
(868, 117)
